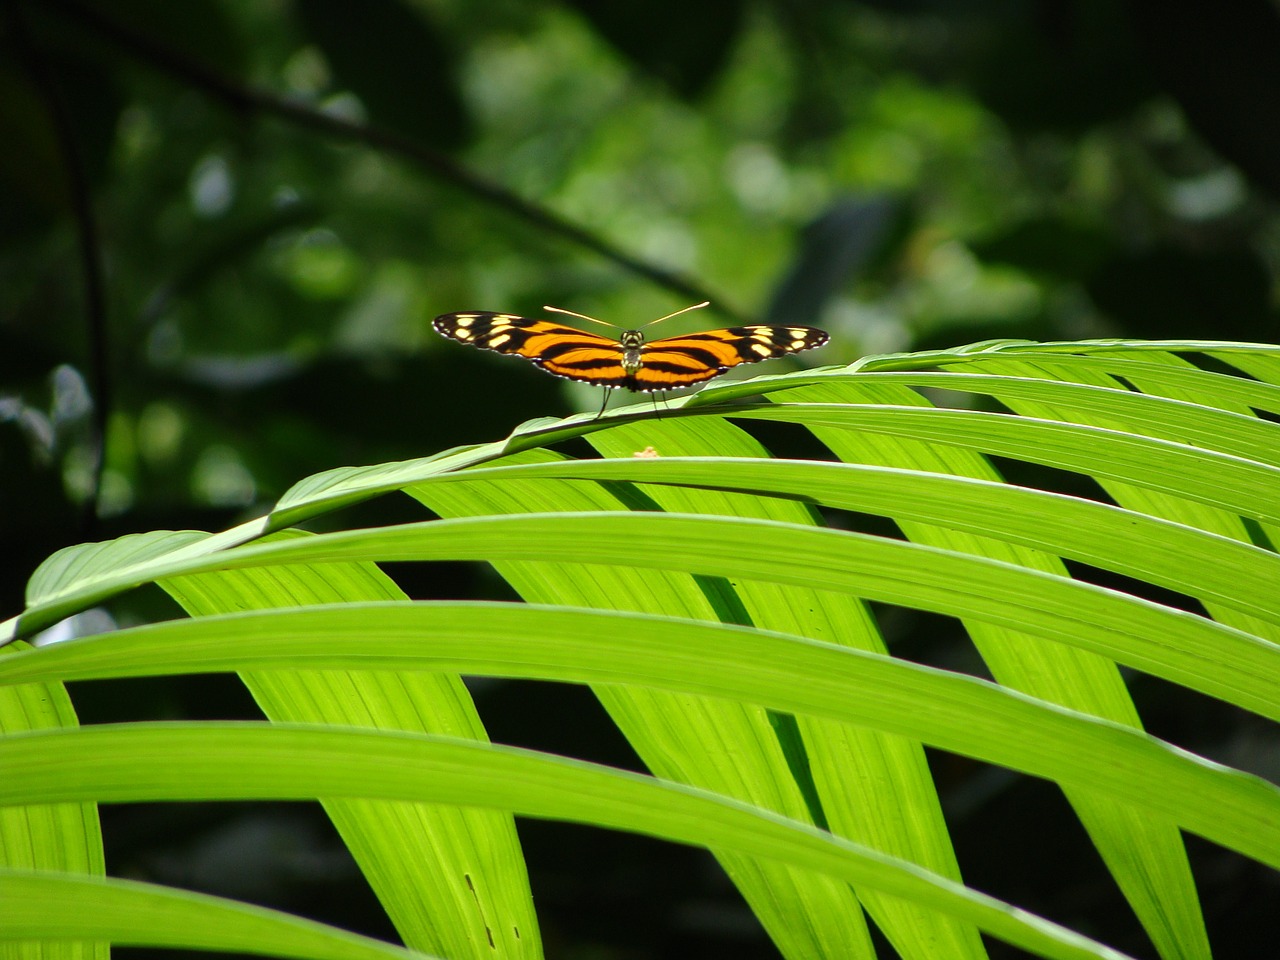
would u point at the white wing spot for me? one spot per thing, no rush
(499, 340)
(761, 349)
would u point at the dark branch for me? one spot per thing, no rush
(242, 98)
(90, 251)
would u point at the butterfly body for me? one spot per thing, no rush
(629, 361)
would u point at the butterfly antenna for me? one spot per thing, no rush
(696, 306)
(580, 316)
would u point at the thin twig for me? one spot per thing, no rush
(90, 250)
(243, 98)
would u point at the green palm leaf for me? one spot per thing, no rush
(726, 628)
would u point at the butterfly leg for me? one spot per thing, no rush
(605, 403)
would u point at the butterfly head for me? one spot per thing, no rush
(631, 342)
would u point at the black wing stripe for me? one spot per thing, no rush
(684, 361)
(591, 363)
(555, 350)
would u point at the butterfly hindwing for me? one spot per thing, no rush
(666, 364)
(599, 364)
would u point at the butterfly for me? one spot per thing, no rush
(629, 361)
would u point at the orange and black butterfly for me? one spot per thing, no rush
(629, 361)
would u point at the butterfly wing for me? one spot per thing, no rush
(665, 364)
(683, 360)
(563, 351)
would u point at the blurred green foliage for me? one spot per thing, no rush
(904, 174)
(283, 194)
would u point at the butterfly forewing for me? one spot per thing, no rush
(508, 333)
(695, 357)
(665, 364)
(564, 351)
